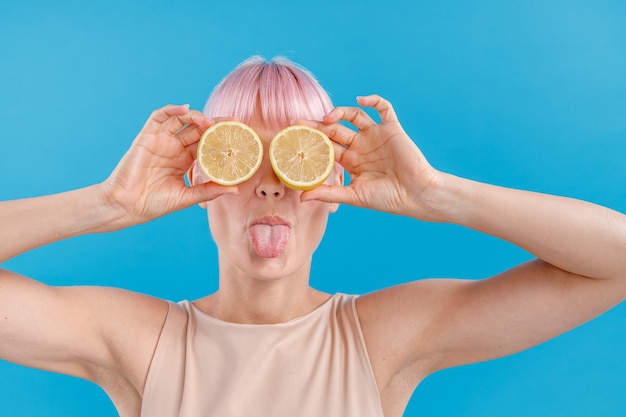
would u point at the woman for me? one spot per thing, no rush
(266, 343)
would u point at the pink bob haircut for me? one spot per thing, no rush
(280, 89)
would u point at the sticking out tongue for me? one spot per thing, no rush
(269, 241)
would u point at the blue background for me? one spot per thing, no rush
(528, 94)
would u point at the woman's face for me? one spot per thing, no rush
(265, 231)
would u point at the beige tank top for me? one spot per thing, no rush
(313, 366)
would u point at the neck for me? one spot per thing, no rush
(251, 300)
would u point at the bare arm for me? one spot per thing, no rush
(423, 326)
(576, 236)
(580, 271)
(70, 330)
(146, 184)
(579, 274)
(33, 222)
(93, 332)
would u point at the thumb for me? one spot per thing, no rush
(206, 192)
(330, 194)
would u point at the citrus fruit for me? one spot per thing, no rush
(302, 157)
(229, 153)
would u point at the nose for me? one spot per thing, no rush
(268, 185)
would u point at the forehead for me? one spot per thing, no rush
(266, 131)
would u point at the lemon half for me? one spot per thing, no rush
(229, 153)
(302, 157)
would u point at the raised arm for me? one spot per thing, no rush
(146, 184)
(427, 325)
(94, 332)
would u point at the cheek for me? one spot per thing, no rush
(316, 217)
(223, 216)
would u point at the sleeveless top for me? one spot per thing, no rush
(313, 366)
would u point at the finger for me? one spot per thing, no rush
(354, 115)
(336, 132)
(192, 148)
(208, 191)
(160, 116)
(340, 151)
(384, 107)
(190, 134)
(175, 124)
(225, 119)
(330, 194)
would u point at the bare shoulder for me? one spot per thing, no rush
(417, 301)
(423, 326)
(102, 334)
(394, 321)
(129, 323)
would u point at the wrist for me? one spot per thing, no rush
(439, 202)
(87, 210)
(33, 222)
(109, 214)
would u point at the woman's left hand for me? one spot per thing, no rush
(387, 170)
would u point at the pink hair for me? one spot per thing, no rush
(280, 89)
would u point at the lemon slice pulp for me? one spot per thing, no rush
(229, 153)
(302, 157)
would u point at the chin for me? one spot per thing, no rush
(269, 268)
(275, 268)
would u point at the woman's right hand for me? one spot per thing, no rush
(149, 181)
